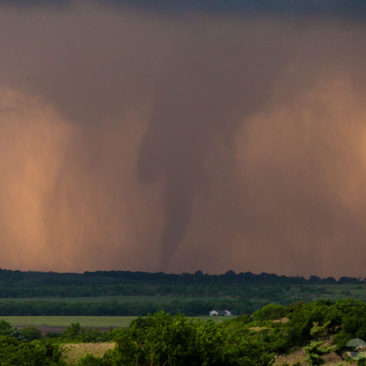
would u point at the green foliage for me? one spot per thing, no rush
(75, 333)
(163, 339)
(243, 319)
(320, 331)
(315, 350)
(14, 352)
(50, 335)
(4, 327)
(90, 360)
(249, 350)
(31, 333)
(7, 330)
(155, 340)
(270, 312)
(72, 332)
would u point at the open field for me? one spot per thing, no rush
(64, 321)
(75, 351)
(85, 321)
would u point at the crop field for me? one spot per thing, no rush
(64, 321)
(84, 321)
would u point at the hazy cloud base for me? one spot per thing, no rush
(137, 138)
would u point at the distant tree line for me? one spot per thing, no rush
(125, 283)
(189, 294)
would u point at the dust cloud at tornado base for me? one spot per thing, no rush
(147, 141)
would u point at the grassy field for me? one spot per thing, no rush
(85, 321)
(74, 351)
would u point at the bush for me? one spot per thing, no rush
(31, 333)
(163, 339)
(35, 353)
(90, 360)
(270, 312)
(75, 332)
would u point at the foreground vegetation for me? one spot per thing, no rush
(123, 293)
(314, 332)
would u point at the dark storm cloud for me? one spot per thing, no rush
(252, 7)
(341, 8)
(181, 136)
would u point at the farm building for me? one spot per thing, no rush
(220, 313)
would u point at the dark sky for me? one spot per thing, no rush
(183, 137)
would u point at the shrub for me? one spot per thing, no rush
(270, 312)
(31, 333)
(90, 360)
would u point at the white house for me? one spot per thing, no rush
(221, 313)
